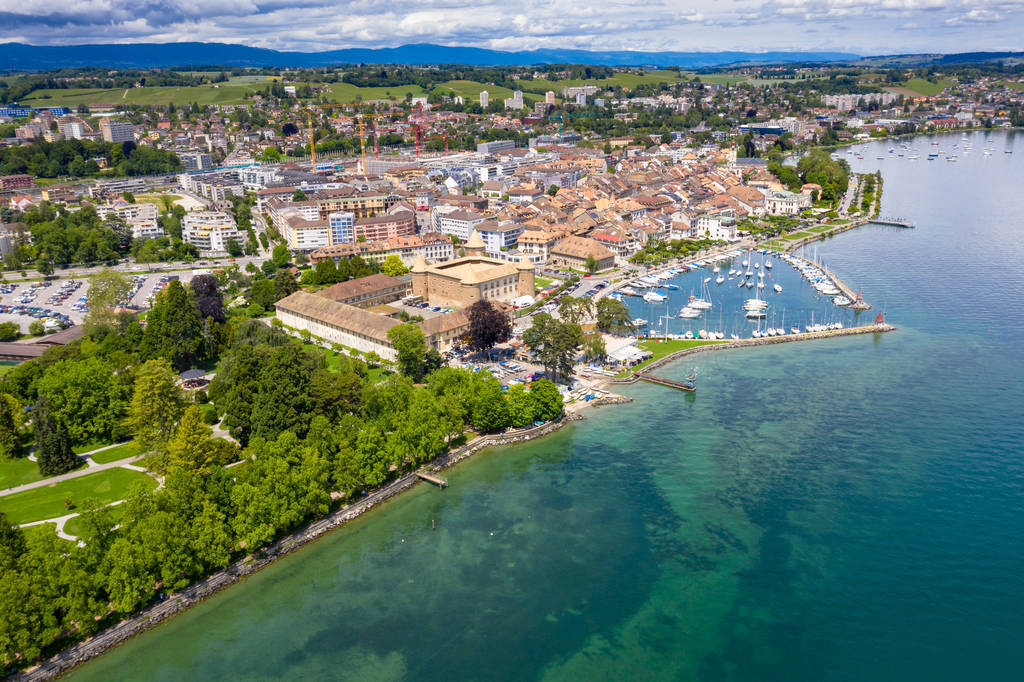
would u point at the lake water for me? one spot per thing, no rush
(846, 509)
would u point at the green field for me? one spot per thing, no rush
(626, 80)
(1014, 85)
(15, 472)
(48, 502)
(346, 92)
(793, 236)
(129, 449)
(202, 94)
(924, 87)
(660, 349)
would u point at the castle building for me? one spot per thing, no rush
(464, 281)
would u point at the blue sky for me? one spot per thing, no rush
(861, 26)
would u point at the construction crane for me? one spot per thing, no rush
(312, 140)
(418, 130)
(563, 116)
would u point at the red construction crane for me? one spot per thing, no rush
(419, 136)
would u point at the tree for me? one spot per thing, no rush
(85, 397)
(9, 331)
(552, 190)
(489, 409)
(192, 449)
(576, 310)
(207, 298)
(393, 266)
(554, 342)
(411, 347)
(12, 418)
(173, 328)
(233, 248)
(262, 293)
(613, 317)
(53, 443)
(299, 195)
(547, 399)
(107, 290)
(593, 347)
(488, 326)
(284, 284)
(156, 404)
(592, 263)
(520, 406)
(282, 255)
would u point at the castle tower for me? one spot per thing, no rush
(526, 284)
(475, 246)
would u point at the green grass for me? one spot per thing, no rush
(925, 87)
(346, 92)
(6, 367)
(626, 80)
(821, 228)
(48, 502)
(74, 525)
(225, 93)
(1014, 85)
(122, 451)
(793, 236)
(542, 282)
(15, 472)
(89, 447)
(660, 349)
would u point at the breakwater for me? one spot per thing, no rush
(748, 343)
(180, 601)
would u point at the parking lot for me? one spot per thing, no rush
(63, 302)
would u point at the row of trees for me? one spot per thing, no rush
(78, 158)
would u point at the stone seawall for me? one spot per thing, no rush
(178, 602)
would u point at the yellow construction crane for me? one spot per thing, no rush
(312, 141)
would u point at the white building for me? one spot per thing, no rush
(457, 223)
(343, 227)
(210, 231)
(485, 99)
(786, 203)
(118, 131)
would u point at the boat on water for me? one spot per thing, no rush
(628, 291)
(778, 288)
(760, 285)
(671, 287)
(699, 304)
(639, 322)
(794, 330)
(750, 283)
(689, 313)
(719, 279)
(706, 280)
(841, 300)
(653, 297)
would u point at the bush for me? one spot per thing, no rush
(210, 415)
(36, 328)
(9, 331)
(201, 397)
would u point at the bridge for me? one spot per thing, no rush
(898, 222)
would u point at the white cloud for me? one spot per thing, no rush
(864, 26)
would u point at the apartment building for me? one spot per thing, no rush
(210, 231)
(117, 131)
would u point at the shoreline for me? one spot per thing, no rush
(155, 614)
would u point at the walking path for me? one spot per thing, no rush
(90, 468)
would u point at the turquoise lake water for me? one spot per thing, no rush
(847, 509)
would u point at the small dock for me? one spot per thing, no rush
(662, 381)
(439, 482)
(897, 222)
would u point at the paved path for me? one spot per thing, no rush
(91, 468)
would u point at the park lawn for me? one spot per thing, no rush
(89, 447)
(925, 87)
(821, 228)
(48, 502)
(15, 472)
(793, 236)
(156, 198)
(122, 451)
(74, 524)
(542, 282)
(6, 367)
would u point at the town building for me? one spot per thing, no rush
(20, 181)
(117, 131)
(210, 232)
(572, 252)
(781, 202)
(369, 291)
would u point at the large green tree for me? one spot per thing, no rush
(411, 348)
(86, 397)
(174, 330)
(53, 444)
(613, 317)
(156, 404)
(555, 343)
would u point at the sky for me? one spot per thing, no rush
(864, 27)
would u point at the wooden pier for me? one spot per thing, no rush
(672, 383)
(439, 482)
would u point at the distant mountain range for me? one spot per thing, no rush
(144, 55)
